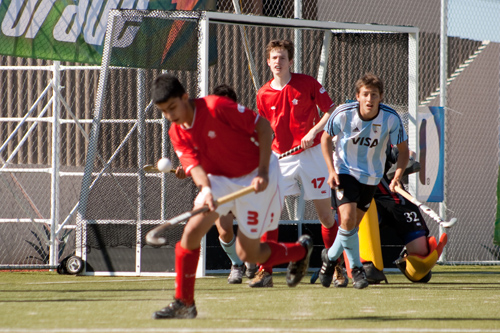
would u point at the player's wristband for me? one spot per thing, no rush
(205, 190)
(200, 198)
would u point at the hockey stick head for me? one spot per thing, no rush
(449, 223)
(152, 238)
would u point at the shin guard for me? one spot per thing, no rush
(416, 267)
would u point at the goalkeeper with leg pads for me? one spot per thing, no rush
(421, 252)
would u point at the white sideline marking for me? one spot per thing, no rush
(110, 281)
(257, 329)
(100, 281)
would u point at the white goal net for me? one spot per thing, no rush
(119, 202)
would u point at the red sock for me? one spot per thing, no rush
(329, 234)
(284, 252)
(186, 263)
(269, 236)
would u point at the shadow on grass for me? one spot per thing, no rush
(442, 286)
(406, 319)
(88, 291)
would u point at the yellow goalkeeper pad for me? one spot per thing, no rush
(419, 266)
(369, 238)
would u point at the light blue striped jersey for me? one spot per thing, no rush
(360, 146)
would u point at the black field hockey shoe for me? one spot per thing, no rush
(359, 278)
(297, 270)
(373, 275)
(327, 269)
(176, 310)
(251, 270)
(236, 275)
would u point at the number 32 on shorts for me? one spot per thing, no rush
(411, 217)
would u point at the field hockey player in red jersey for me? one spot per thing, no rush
(214, 139)
(290, 102)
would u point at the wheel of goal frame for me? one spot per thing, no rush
(61, 269)
(74, 265)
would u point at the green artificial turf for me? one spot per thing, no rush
(457, 299)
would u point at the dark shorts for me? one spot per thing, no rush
(350, 190)
(400, 215)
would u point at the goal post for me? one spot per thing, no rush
(119, 202)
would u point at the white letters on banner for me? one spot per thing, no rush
(88, 16)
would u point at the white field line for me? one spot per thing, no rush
(244, 330)
(99, 281)
(109, 281)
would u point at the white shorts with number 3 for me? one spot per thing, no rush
(255, 212)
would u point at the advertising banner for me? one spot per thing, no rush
(67, 30)
(430, 183)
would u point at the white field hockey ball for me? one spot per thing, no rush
(164, 165)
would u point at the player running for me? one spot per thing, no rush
(214, 139)
(290, 101)
(363, 130)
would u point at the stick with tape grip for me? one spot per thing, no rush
(290, 152)
(426, 210)
(153, 237)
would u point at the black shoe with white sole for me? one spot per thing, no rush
(297, 270)
(176, 310)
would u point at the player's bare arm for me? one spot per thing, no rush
(201, 180)
(403, 157)
(264, 134)
(327, 150)
(308, 139)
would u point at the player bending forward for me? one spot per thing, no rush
(214, 140)
(405, 218)
(363, 130)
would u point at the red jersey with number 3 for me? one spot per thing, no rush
(222, 138)
(292, 110)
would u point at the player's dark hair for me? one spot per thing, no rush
(164, 87)
(225, 90)
(280, 44)
(370, 80)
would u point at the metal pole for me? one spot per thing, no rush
(203, 88)
(54, 206)
(443, 77)
(297, 62)
(141, 156)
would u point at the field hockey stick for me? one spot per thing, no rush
(290, 152)
(153, 237)
(150, 168)
(427, 210)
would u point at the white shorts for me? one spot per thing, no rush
(256, 213)
(308, 168)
